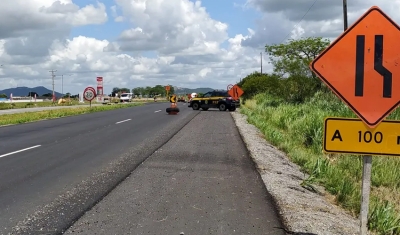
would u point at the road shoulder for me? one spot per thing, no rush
(302, 211)
(201, 182)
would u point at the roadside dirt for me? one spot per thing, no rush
(302, 211)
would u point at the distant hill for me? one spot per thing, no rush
(182, 91)
(24, 91)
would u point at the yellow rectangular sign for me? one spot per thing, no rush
(350, 135)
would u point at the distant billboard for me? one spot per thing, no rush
(100, 86)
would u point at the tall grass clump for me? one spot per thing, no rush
(297, 129)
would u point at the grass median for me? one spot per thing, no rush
(297, 129)
(18, 118)
(22, 105)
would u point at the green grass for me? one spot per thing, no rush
(21, 105)
(18, 118)
(298, 131)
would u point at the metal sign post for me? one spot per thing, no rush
(365, 192)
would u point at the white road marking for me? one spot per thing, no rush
(157, 111)
(18, 151)
(123, 121)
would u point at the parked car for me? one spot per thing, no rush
(126, 97)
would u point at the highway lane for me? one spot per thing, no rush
(77, 160)
(17, 137)
(201, 182)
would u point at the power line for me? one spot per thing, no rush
(302, 18)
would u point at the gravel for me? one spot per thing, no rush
(302, 211)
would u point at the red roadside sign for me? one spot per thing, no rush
(89, 93)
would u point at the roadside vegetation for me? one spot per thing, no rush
(73, 102)
(289, 106)
(18, 118)
(21, 105)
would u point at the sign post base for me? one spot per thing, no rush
(365, 192)
(173, 110)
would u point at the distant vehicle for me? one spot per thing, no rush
(215, 99)
(181, 99)
(191, 96)
(126, 97)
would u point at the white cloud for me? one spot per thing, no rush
(88, 15)
(295, 18)
(186, 40)
(170, 27)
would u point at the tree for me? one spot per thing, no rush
(256, 82)
(147, 90)
(291, 81)
(137, 91)
(152, 91)
(125, 90)
(48, 95)
(171, 89)
(115, 90)
(294, 57)
(3, 96)
(158, 90)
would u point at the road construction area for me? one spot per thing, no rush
(132, 171)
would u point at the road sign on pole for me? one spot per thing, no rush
(352, 136)
(89, 94)
(167, 89)
(229, 87)
(361, 66)
(235, 92)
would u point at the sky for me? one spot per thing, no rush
(134, 43)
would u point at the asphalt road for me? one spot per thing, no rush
(52, 171)
(197, 180)
(201, 182)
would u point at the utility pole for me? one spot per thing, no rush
(345, 15)
(62, 81)
(261, 60)
(62, 84)
(52, 77)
